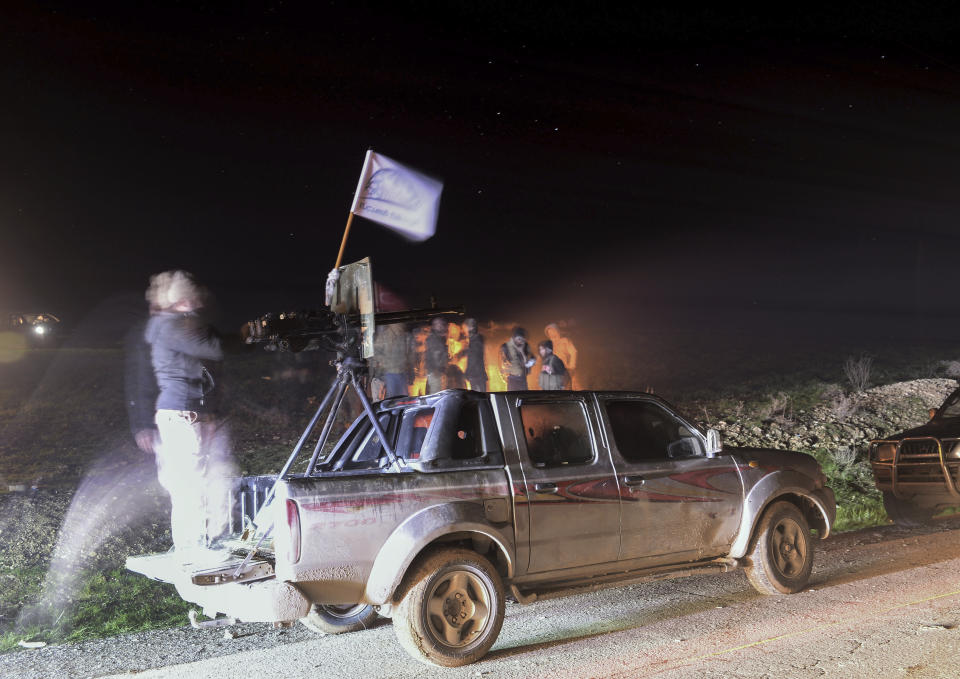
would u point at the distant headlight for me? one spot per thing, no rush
(954, 452)
(40, 329)
(884, 452)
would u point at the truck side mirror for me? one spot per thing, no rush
(933, 413)
(714, 446)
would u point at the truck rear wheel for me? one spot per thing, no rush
(452, 610)
(332, 619)
(781, 556)
(904, 513)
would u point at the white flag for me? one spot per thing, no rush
(397, 197)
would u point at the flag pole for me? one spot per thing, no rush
(356, 195)
(343, 243)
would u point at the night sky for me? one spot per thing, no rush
(608, 166)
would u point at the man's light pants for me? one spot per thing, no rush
(195, 467)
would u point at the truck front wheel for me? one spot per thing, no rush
(331, 619)
(452, 609)
(781, 556)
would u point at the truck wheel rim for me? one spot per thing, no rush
(789, 548)
(345, 611)
(458, 608)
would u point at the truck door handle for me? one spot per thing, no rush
(545, 487)
(634, 480)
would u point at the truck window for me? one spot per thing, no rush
(413, 430)
(645, 431)
(347, 434)
(370, 450)
(556, 433)
(469, 442)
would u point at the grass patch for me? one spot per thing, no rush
(107, 604)
(860, 513)
(18, 587)
(859, 503)
(119, 601)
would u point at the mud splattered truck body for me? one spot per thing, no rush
(518, 494)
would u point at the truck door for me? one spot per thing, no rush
(570, 489)
(675, 500)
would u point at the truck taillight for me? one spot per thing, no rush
(293, 524)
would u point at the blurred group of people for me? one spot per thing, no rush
(558, 360)
(442, 355)
(448, 355)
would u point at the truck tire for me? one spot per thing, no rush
(781, 554)
(452, 608)
(904, 513)
(332, 619)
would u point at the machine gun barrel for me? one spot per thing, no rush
(295, 330)
(415, 315)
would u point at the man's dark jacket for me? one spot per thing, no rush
(180, 342)
(436, 356)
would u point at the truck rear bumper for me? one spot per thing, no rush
(263, 600)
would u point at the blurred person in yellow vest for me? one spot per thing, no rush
(419, 344)
(457, 348)
(516, 360)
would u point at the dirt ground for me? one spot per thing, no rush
(883, 602)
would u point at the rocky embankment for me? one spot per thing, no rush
(842, 422)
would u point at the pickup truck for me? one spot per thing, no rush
(527, 495)
(918, 470)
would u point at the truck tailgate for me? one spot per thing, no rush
(168, 567)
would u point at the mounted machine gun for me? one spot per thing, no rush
(345, 328)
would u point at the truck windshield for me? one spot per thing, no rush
(951, 407)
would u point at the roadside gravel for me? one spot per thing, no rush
(145, 650)
(843, 421)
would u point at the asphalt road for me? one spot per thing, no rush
(882, 602)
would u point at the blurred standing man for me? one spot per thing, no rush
(194, 464)
(553, 374)
(516, 360)
(457, 348)
(392, 358)
(565, 351)
(476, 370)
(436, 357)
